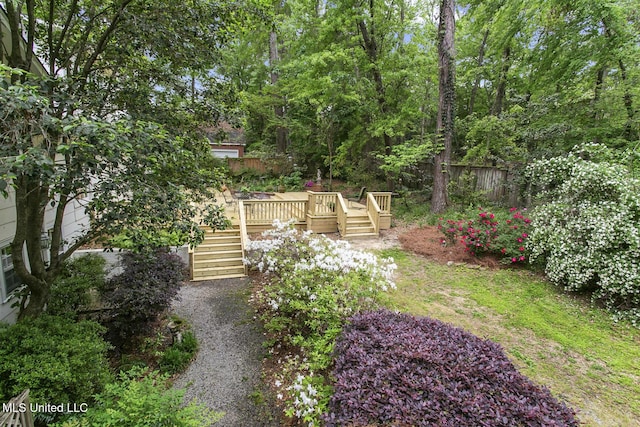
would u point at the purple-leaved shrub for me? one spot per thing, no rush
(399, 370)
(150, 281)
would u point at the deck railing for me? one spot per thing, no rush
(322, 203)
(244, 237)
(19, 414)
(265, 211)
(341, 211)
(374, 211)
(383, 199)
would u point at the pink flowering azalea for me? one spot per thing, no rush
(522, 258)
(521, 248)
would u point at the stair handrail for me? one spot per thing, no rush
(244, 237)
(383, 198)
(341, 212)
(374, 212)
(311, 205)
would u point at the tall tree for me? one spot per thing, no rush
(446, 105)
(274, 63)
(86, 133)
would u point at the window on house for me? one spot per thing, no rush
(11, 279)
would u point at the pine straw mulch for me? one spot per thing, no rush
(427, 241)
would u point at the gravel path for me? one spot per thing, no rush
(226, 372)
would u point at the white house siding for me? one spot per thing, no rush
(7, 231)
(221, 153)
(75, 223)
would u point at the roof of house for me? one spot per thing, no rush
(225, 134)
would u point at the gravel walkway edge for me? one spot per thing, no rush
(226, 373)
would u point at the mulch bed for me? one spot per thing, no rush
(427, 241)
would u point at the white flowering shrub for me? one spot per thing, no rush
(587, 229)
(313, 284)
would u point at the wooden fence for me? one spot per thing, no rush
(17, 413)
(256, 165)
(494, 182)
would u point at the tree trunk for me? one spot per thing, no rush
(496, 108)
(597, 90)
(278, 108)
(476, 83)
(628, 104)
(370, 46)
(445, 118)
(30, 205)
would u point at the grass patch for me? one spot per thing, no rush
(558, 340)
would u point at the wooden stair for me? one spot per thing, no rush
(359, 226)
(219, 256)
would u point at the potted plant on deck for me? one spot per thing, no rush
(281, 187)
(312, 186)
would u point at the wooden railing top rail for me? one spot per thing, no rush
(322, 203)
(265, 211)
(383, 198)
(341, 202)
(244, 237)
(270, 201)
(374, 211)
(341, 212)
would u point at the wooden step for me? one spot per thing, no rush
(233, 229)
(360, 236)
(359, 224)
(219, 277)
(217, 272)
(219, 256)
(218, 247)
(232, 252)
(360, 230)
(217, 262)
(220, 239)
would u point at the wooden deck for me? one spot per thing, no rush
(323, 205)
(319, 212)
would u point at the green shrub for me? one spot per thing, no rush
(177, 357)
(58, 359)
(587, 229)
(70, 290)
(141, 399)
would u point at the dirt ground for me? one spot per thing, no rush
(426, 241)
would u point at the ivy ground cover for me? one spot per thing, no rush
(396, 369)
(556, 339)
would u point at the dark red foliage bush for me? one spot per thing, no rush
(150, 281)
(398, 370)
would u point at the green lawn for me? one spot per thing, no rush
(558, 340)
